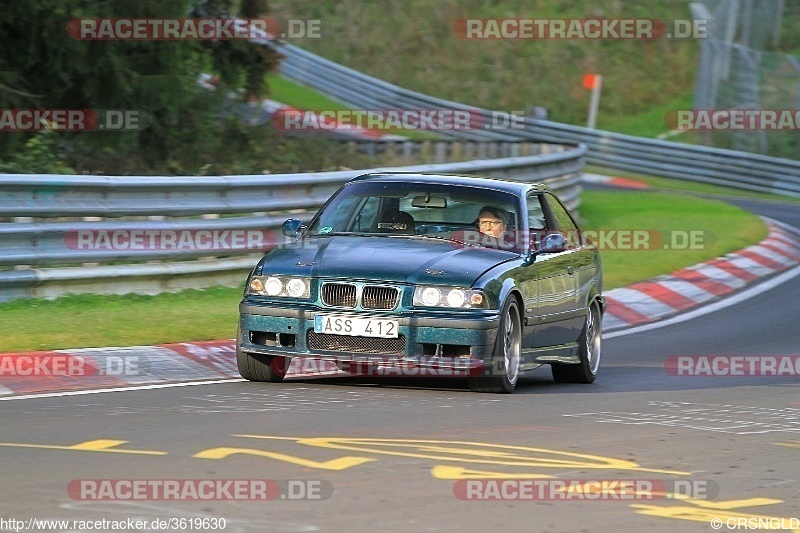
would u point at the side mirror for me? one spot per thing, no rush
(292, 227)
(553, 243)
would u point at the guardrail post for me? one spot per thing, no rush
(425, 151)
(440, 155)
(469, 152)
(457, 151)
(408, 151)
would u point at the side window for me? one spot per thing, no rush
(564, 221)
(536, 220)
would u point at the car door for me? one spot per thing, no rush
(584, 262)
(557, 315)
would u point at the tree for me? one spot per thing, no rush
(231, 59)
(42, 67)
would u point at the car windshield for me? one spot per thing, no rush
(471, 215)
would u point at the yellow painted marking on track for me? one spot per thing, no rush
(340, 463)
(706, 511)
(734, 504)
(457, 472)
(468, 452)
(97, 445)
(471, 452)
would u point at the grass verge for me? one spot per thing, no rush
(725, 228)
(92, 321)
(88, 320)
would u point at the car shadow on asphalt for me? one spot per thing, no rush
(613, 379)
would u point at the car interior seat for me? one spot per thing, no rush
(396, 222)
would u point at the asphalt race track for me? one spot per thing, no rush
(400, 455)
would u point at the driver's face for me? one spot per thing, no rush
(488, 224)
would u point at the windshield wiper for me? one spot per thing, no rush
(438, 238)
(345, 233)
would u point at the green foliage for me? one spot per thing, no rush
(40, 155)
(42, 67)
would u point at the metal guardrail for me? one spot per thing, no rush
(47, 216)
(743, 170)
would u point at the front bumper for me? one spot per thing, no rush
(462, 342)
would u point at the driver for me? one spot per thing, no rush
(493, 221)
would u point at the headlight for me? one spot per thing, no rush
(273, 286)
(456, 298)
(296, 288)
(431, 296)
(453, 297)
(280, 286)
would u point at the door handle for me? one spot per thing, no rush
(570, 270)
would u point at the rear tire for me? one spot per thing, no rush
(260, 367)
(590, 347)
(505, 361)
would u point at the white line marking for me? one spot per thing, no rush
(118, 389)
(784, 226)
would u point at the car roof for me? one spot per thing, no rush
(514, 187)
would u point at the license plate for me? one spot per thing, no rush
(355, 326)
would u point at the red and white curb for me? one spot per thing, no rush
(614, 181)
(113, 368)
(665, 296)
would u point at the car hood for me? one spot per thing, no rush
(398, 259)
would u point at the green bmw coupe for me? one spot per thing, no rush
(434, 274)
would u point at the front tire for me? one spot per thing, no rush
(505, 361)
(590, 347)
(260, 367)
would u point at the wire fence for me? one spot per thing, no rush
(739, 70)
